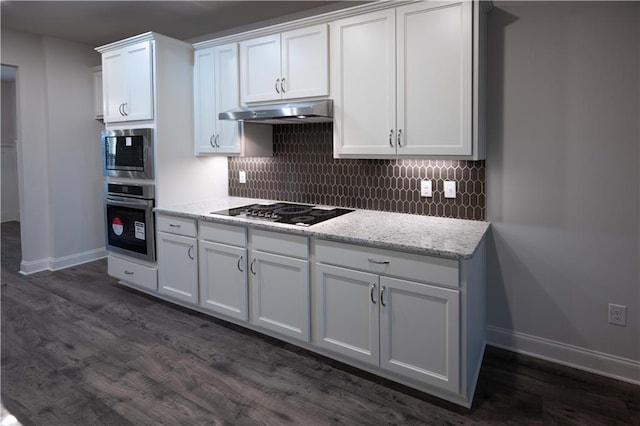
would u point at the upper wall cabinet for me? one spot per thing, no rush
(290, 65)
(128, 83)
(402, 82)
(216, 90)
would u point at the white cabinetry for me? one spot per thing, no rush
(216, 90)
(97, 92)
(223, 270)
(280, 283)
(177, 258)
(133, 273)
(402, 82)
(284, 66)
(128, 83)
(406, 327)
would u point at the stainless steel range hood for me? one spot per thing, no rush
(294, 112)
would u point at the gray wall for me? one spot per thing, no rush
(61, 209)
(563, 188)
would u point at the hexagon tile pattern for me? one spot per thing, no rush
(303, 170)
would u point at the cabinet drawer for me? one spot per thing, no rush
(225, 234)
(133, 273)
(398, 264)
(280, 243)
(177, 225)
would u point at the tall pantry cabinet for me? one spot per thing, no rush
(147, 83)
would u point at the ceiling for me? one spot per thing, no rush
(101, 22)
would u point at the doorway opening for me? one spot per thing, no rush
(9, 147)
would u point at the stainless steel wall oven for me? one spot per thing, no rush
(129, 227)
(128, 153)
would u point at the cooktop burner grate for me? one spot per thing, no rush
(293, 214)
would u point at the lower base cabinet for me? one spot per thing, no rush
(177, 248)
(178, 267)
(279, 276)
(416, 319)
(223, 279)
(408, 328)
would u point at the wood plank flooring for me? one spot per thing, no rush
(79, 349)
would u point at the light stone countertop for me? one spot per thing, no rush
(435, 236)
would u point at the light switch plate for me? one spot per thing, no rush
(449, 189)
(242, 176)
(425, 188)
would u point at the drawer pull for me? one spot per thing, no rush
(174, 225)
(382, 296)
(379, 262)
(240, 260)
(373, 287)
(190, 251)
(251, 266)
(128, 272)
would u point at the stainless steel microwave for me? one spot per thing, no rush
(127, 153)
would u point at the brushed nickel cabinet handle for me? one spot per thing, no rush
(251, 266)
(128, 272)
(277, 83)
(174, 225)
(391, 138)
(400, 138)
(216, 141)
(211, 142)
(282, 85)
(240, 260)
(373, 287)
(382, 296)
(190, 251)
(379, 262)
(124, 109)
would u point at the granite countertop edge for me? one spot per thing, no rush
(442, 237)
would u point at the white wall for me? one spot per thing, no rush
(563, 187)
(61, 211)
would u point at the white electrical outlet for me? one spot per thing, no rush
(425, 188)
(617, 314)
(242, 176)
(449, 189)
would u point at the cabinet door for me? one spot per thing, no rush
(305, 62)
(363, 84)
(419, 332)
(434, 47)
(178, 267)
(280, 294)
(97, 93)
(227, 97)
(128, 83)
(140, 77)
(223, 279)
(260, 69)
(204, 101)
(115, 89)
(346, 317)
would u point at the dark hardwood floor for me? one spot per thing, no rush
(80, 349)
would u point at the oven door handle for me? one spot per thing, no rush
(127, 202)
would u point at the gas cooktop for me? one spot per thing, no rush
(293, 214)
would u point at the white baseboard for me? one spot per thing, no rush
(31, 267)
(78, 259)
(596, 362)
(51, 264)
